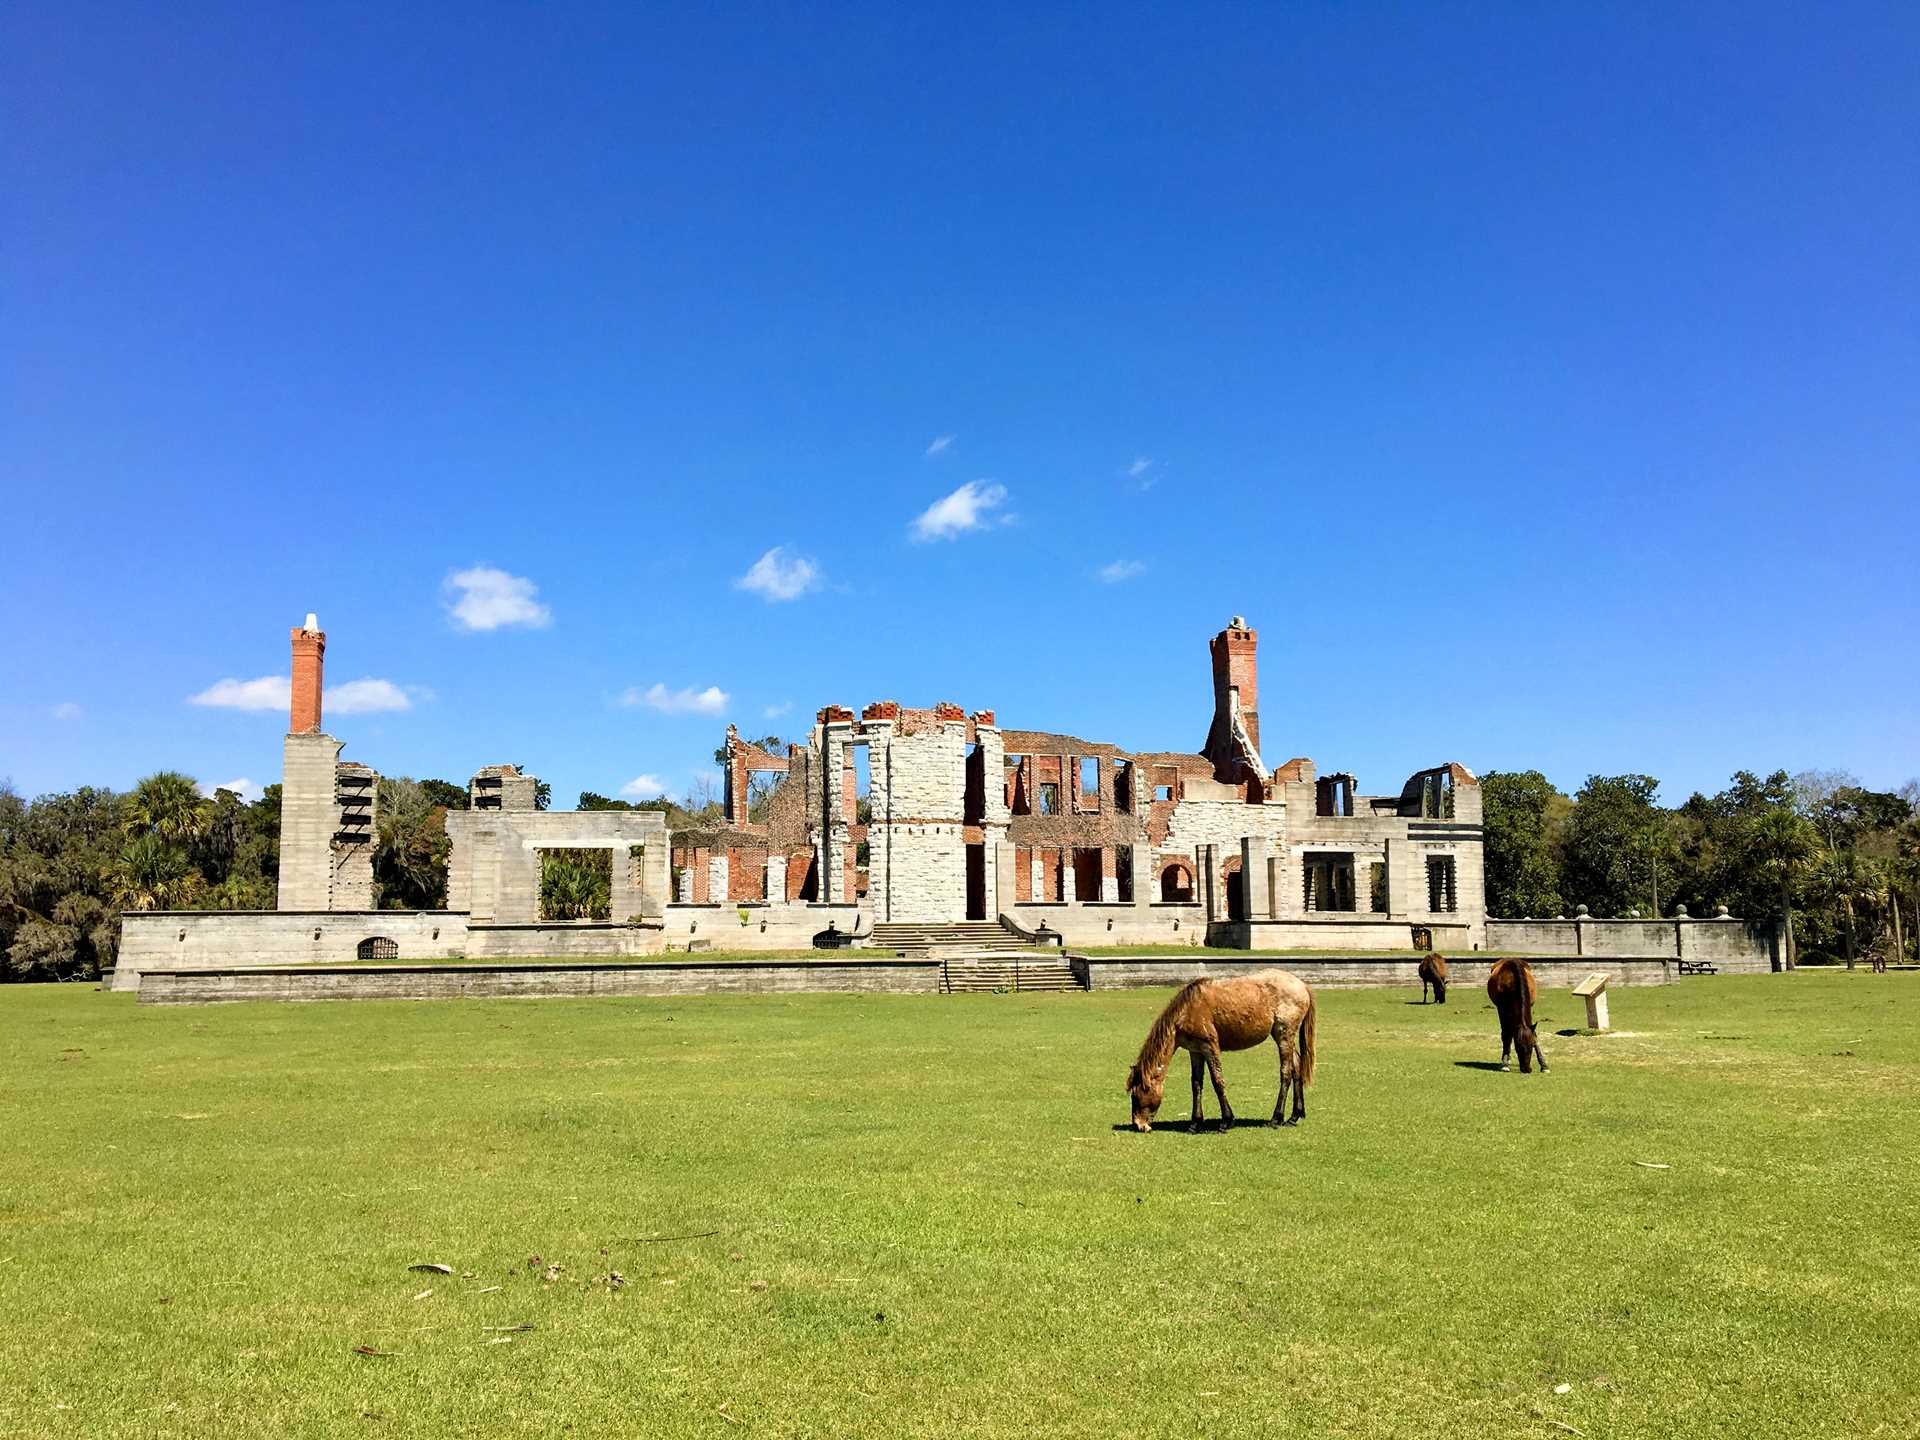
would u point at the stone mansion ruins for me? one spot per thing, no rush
(963, 820)
(900, 828)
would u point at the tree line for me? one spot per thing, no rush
(1840, 861)
(71, 863)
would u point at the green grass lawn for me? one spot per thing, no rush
(927, 1224)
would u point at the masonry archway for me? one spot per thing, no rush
(1176, 881)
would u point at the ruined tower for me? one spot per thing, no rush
(326, 807)
(1233, 740)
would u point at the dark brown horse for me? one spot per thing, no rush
(1510, 986)
(1433, 971)
(1209, 1016)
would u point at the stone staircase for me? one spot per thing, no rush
(923, 939)
(1017, 974)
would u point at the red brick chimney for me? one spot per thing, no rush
(309, 660)
(1235, 668)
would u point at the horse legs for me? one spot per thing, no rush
(1286, 1063)
(1199, 1070)
(1506, 1045)
(1299, 1083)
(1219, 1089)
(1423, 989)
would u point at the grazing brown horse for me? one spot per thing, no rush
(1433, 971)
(1510, 986)
(1209, 1016)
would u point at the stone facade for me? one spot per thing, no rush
(963, 820)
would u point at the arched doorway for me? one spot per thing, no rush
(1176, 881)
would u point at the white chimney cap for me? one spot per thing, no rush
(313, 622)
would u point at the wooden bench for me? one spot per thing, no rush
(1698, 967)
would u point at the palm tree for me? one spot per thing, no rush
(1781, 845)
(167, 804)
(575, 885)
(150, 874)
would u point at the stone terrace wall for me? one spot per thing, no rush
(1735, 946)
(1152, 971)
(451, 982)
(152, 940)
(769, 927)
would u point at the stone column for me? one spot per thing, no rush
(1069, 882)
(776, 878)
(1143, 877)
(717, 877)
(1254, 881)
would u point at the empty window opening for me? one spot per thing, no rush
(576, 884)
(1443, 896)
(1089, 782)
(974, 803)
(1377, 886)
(1327, 882)
(1436, 795)
(1123, 875)
(377, 947)
(1087, 869)
(1333, 795)
(1019, 786)
(1163, 792)
(1176, 881)
(1049, 798)
(1123, 785)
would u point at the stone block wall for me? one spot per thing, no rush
(309, 816)
(153, 940)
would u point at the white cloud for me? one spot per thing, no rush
(1139, 467)
(242, 787)
(67, 710)
(644, 787)
(710, 701)
(778, 575)
(968, 508)
(1120, 570)
(364, 697)
(275, 692)
(269, 692)
(774, 712)
(487, 599)
(940, 444)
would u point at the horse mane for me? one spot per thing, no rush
(1159, 1042)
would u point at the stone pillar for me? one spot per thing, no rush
(776, 878)
(1143, 876)
(1255, 882)
(1208, 881)
(685, 894)
(1069, 882)
(623, 897)
(717, 877)
(1037, 883)
(309, 816)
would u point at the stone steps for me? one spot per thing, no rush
(1026, 975)
(923, 939)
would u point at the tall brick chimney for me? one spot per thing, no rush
(309, 661)
(1236, 669)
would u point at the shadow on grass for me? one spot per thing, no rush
(1479, 1064)
(1207, 1127)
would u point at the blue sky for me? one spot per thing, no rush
(1542, 382)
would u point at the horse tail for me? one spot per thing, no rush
(1305, 1062)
